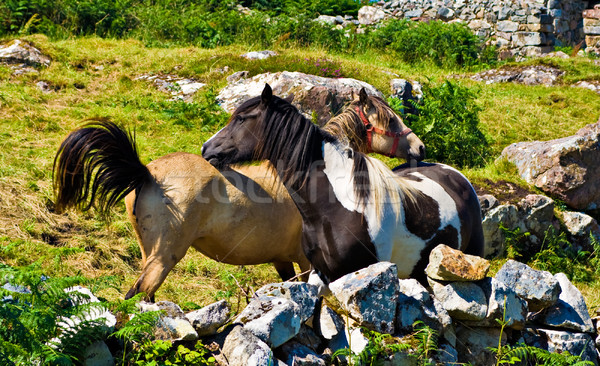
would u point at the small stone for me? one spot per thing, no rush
(448, 264)
(207, 320)
(242, 347)
(259, 55)
(274, 320)
(462, 300)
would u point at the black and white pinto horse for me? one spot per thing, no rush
(355, 210)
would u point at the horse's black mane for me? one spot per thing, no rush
(292, 143)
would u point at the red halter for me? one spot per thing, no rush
(372, 129)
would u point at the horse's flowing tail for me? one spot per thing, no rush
(96, 166)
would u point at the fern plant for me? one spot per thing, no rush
(34, 310)
(380, 346)
(427, 342)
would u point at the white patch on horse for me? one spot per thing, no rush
(447, 206)
(387, 229)
(338, 169)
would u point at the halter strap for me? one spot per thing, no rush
(372, 129)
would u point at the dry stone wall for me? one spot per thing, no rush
(518, 27)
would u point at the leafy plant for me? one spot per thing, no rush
(31, 313)
(448, 123)
(380, 346)
(558, 255)
(448, 45)
(161, 352)
(427, 342)
(515, 241)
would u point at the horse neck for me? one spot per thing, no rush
(294, 150)
(347, 127)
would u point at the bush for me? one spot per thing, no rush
(447, 121)
(445, 44)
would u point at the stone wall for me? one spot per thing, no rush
(518, 27)
(591, 28)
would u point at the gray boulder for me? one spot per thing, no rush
(332, 329)
(409, 92)
(207, 320)
(570, 311)
(242, 347)
(539, 288)
(561, 341)
(98, 354)
(462, 300)
(475, 343)
(327, 19)
(494, 237)
(566, 168)
(93, 315)
(415, 303)
(274, 320)
(323, 96)
(503, 304)
(537, 215)
(303, 294)
(21, 52)
(370, 295)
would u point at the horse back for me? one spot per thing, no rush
(444, 195)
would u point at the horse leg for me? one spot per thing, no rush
(285, 270)
(156, 269)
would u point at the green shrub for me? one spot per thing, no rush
(448, 124)
(445, 44)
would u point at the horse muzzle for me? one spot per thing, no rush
(416, 156)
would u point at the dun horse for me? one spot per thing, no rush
(355, 211)
(240, 215)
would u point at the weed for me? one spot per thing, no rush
(558, 255)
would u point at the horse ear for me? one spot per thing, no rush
(267, 94)
(363, 97)
(289, 98)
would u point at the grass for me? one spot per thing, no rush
(92, 77)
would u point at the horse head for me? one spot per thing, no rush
(384, 130)
(237, 141)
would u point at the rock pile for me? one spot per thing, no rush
(286, 323)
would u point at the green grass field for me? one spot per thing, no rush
(93, 77)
